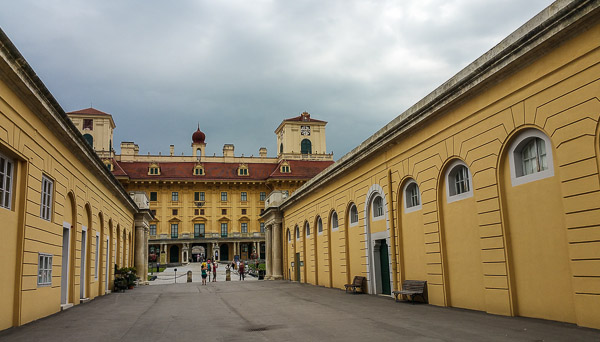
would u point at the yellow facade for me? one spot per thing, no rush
(65, 221)
(515, 242)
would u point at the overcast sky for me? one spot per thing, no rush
(240, 67)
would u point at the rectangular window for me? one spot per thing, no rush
(153, 211)
(223, 211)
(175, 212)
(201, 211)
(175, 196)
(174, 230)
(244, 196)
(196, 196)
(244, 227)
(97, 256)
(88, 124)
(244, 211)
(223, 197)
(263, 196)
(153, 196)
(153, 229)
(223, 229)
(262, 227)
(46, 202)
(201, 196)
(198, 230)
(6, 176)
(196, 212)
(44, 269)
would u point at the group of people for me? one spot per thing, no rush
(241, 268)
(207, 267)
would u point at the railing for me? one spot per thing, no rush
(208, 235)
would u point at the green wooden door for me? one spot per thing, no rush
(385, 268)
(297, 265)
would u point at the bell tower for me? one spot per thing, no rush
(302, 137)
(198, 144)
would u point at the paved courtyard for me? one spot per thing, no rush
(278, 311)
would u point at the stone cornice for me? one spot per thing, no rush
(553, 25)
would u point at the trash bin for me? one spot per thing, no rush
(228, 275)
(261, 274)
(189, 276)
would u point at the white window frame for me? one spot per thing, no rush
(175, 196)
(514, 157)
(450, 182)
(262, 227)
(6, 178)
(242, 225)
(263, 196)
(297, 232)
(223, 196)
(153, 224)
(307, 229)
(353, 223)
(408, 197)
(334, 224)
(289, 236)
(46, 200)
(44, 277)
(378, 215)
(224, 225)
(202, 196)
(244, 196)
(319, 226)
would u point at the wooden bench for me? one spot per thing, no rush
(356, 284)
(412, 289)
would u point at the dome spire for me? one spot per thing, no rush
(198, 136)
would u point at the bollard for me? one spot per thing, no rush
(228, 275)
(189, 276)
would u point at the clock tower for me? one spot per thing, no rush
(303, 138)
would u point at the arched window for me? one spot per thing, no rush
(89, 139)
(458, 182)
(530, 157)
(306, 147)
(289, 236)
(319, 225)
(412, 197)
(334, 221)
(533, 157)
(378, 207)
(199, 170)
(353, 215)
(281, 148)
(307, 229)
(297, 233)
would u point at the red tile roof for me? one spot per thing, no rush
(89, 111)
(300, 169)
(306, 118)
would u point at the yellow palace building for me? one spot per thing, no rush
(66, 221)
(488, 188)
(209, 206)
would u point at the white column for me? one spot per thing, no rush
(269, 256)
(277, 272)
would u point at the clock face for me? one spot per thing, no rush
(305, 130)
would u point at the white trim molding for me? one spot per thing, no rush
(449, 182)
(515, 161)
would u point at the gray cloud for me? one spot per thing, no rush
(241, 67)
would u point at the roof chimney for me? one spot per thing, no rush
(228, 150)
(262, 152)
(172, 149)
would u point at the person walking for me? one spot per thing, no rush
(214, 269)
(203, 273)
(241, 270)
(208, 268)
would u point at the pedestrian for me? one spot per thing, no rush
(214, 269)
(203, 273)
(241, 270)
(208, 268)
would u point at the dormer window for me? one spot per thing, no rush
(285, 168)
(108, 165)
(199, 170)
(154, 169)
(243, 170)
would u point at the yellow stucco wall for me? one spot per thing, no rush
(530, 249)
(79, 198)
